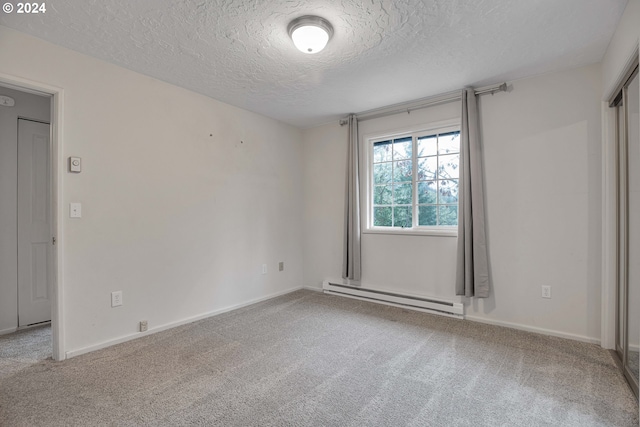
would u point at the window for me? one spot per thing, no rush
(414, 181)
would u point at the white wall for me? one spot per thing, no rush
(542, 160)
(324, 168)
(183, 197)
(26, 106)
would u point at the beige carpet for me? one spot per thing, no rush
(308, 359)
(22, 349)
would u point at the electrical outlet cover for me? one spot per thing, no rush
(116, 299)
(75, 210)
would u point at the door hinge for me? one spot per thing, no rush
(53, 240)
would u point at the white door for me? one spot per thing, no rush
(34, 228)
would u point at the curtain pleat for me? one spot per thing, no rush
(351, 268)
(472, 272)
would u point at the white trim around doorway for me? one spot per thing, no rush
(57, 206)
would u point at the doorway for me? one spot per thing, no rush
(627, 346)
(28, 224)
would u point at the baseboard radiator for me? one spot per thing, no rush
(429, 305)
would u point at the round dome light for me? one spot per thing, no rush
(310, 34)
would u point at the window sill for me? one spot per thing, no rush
(446, 232)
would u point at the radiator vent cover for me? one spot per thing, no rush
(429, 305)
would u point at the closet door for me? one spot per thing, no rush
(631, 106)
(628, 228)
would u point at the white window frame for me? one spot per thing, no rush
(415, 132)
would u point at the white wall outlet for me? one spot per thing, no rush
(546, 292)
(75, 210)
(143, 325)
(116, 299)
(264, 268)
(281, 266)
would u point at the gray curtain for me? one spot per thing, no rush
(472, 272)
(351, 262)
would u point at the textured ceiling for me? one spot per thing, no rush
(382, 52)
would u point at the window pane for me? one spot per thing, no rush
(427, 146)
(402, 148)
(427, 215)
(402, 194)
(382, 173)
(382, 217)
(427, 192)
(448, 192)
(427, 168)
(402, 216)
(403, 171)
(428, 189)
(382, 195)
(448, 167)
(382, 151)
(448, 215)
(449, 143)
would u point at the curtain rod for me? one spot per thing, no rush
(407, 107)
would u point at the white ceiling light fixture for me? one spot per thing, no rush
(310, 34)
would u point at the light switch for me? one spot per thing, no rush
(75, 164)
(75, 210)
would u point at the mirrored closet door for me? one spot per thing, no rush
(628, 228)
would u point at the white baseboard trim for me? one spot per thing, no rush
(125, 338)
(534, 329)
(8, 331)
